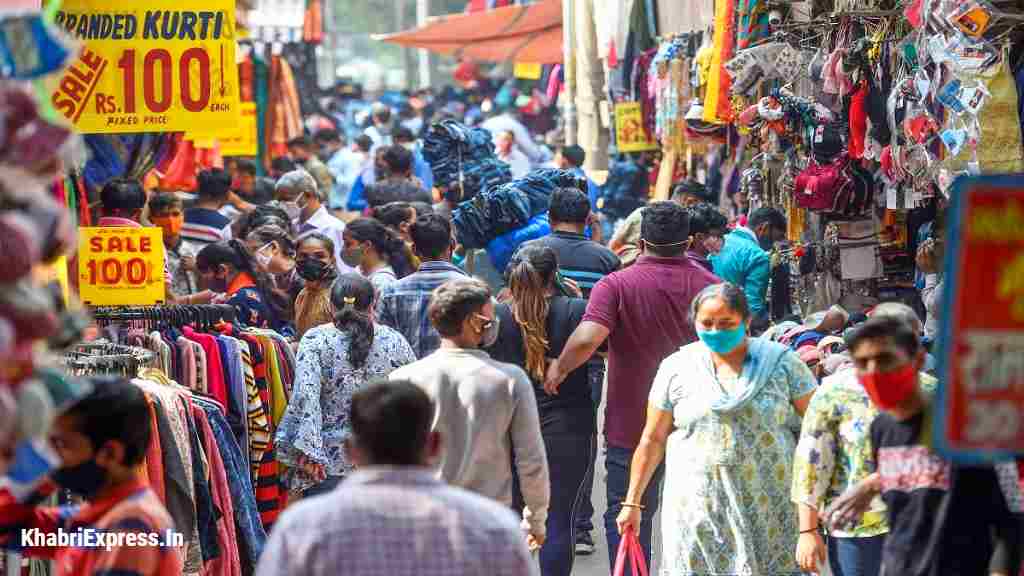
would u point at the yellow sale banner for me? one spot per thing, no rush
(240, 140)
(154, 66)
(630, 135)
(121, 266)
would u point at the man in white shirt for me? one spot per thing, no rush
(304, 202)
(506, 122)
(509, 154)
(380, 130)
(393, 516)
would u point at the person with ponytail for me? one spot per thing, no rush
(534, 327)
(333, 362)
(229, 268)
(315, 265)
(399, 217)
(377, 252)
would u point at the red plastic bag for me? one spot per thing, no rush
(629, 548)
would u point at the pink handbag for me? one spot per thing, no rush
(629, 549)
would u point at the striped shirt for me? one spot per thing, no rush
(130, 509)
(205, 226)
(403, 304)
(584, 261)
(399, 521)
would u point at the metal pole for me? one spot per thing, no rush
(569, 70)
(425, 75)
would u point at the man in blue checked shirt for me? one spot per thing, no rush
(403, 304)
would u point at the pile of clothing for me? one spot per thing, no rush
(509, 207)
(463, 160)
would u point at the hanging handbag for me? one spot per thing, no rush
(630, 550)
(820, 186)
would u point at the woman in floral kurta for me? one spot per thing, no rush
(312, 433)
(729, 444)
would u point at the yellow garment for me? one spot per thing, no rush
(999, 149)
(278, 397)
(715, 77)
(703, 59)
(313, 308)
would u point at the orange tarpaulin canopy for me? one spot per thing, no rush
(531, 33)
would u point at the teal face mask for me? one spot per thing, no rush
(723, 341)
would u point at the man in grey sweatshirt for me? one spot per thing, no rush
(485, 410)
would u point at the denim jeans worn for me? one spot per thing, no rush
(856, 556)
(585, 510)
(617, 463)
(569, 466)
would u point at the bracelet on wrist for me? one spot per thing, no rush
(633, 505)
(809, 530)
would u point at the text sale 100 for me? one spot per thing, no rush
(154, 66)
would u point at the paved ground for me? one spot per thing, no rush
(597, 563)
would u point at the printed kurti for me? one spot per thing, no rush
(727, 472)
(316, 423)
(835, 452)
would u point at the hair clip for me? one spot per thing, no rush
(349, 300)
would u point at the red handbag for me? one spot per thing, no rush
(819, 187)
(629, 549)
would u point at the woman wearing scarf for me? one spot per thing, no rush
(724, 413)
(314, 263)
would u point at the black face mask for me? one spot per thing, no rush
(86, 478)
(312, 270)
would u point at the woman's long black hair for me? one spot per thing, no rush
(352, 295)
(235, 254)
(388, 244)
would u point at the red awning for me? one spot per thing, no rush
(531, 33)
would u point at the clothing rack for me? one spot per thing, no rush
(203, 316)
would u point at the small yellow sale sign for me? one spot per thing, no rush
(154, 66)
(121, 266)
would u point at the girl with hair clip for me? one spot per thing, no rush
(377, 252)
(334, 361)
(535, 325)
(229, 268)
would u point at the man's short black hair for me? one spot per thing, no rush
(364, 142)
(214, 183)
(575, 155)
(896, 329)
(403, 134)
(327, 135)
(704, 218)
(283, 165)
(569, 205)
(391, 422)
(767, 214)
(690, 188)
(245, 166)
(300, 142)
(115, 410)
(398, 159)
(665, 228)
(431, 236)
(123, 196)
(164, 201)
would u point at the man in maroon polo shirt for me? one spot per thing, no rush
(643, 313)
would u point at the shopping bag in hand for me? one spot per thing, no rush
(630, 550)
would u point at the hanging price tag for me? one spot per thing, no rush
(154, 66)
(121, 266)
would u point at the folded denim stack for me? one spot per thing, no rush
(463, 160)
(509, 207)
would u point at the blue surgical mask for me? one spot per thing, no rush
(723, 341)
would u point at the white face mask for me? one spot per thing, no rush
(294, 208)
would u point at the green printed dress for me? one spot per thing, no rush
(728, 464)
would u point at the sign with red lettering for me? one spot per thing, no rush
(154, 66)
(121, 266)
(981, 341)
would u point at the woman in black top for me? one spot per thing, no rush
(535, 325)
